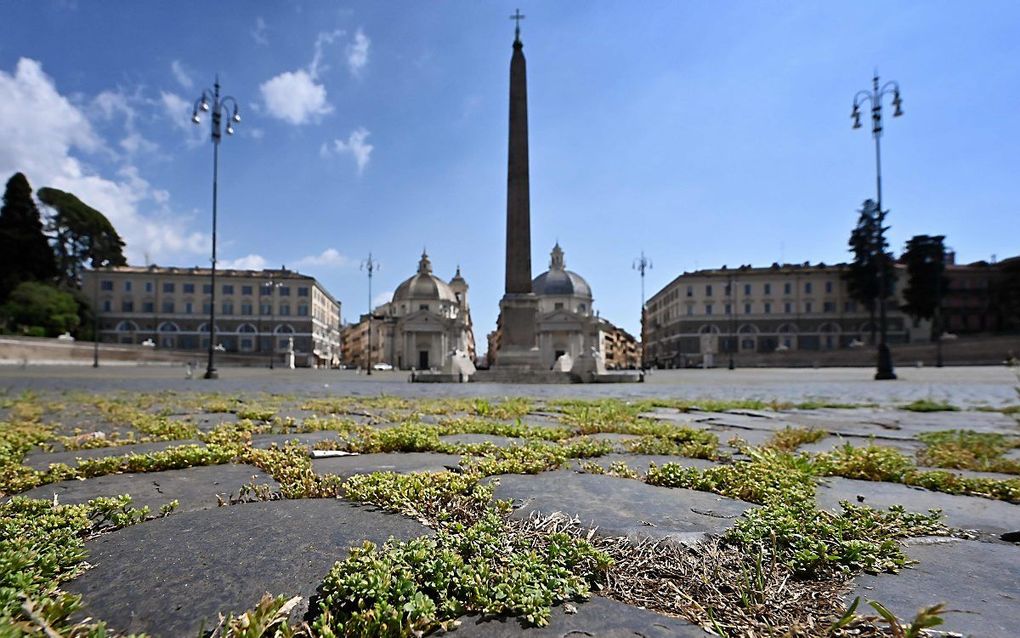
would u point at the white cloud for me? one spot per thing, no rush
(354, 145)
(181, 74)
(316, 68)
(295, 97)
(256, 133)
(357, 53)
(135, 143)
(330, 257)
(178, 111)
(44, 136)
(259, 32)
(248, 262)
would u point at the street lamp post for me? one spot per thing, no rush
(95, 320)
(272, 285)
(874, 97)
(733, 322)
(641, 264)
(369, 266)
(218, 107)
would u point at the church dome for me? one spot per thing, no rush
(424, 286)
(558, 281)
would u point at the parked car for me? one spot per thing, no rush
(382, 366)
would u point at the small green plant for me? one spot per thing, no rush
(790, 438)
(929, 405)
(966, 449)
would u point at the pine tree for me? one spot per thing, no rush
(25, 254)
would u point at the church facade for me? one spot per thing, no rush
(426, 320)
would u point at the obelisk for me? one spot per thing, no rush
(519, 307)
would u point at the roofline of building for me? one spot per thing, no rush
(198, 271)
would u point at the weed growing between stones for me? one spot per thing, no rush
(929, 405)
(42, 545)
(877, 463)
(969, 450)
(789, 438)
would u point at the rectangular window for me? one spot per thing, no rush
(206, 289)
(807, 287)
(106, 285)
(829, 306)
(690, 311)
(188, 307)
(148, 286)
(228, 289)
(168, 286)
(558, 305)
(729, 309)
(302, 291)
(284, 291)
(708, 290)
(246, 290)
(302, 310)
(747, 289)
(807, 306)
(828, 286)
(850, 306)
(189, 289)
(127, 306)
(107, 305)
(768, 289)
(787, 288)
(708, 309)
(127, 286)
(265, 309)
(206, 308)
(246, 309)
(726, 290)
(285, 309)
(768, 308)
(148, 306)
(168, 307)
(228, 308)
(747, 308)
(690, 291)
(787, 307)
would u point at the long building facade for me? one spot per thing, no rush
(706, 313)
(258, 312)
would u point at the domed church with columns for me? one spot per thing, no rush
(426, 321)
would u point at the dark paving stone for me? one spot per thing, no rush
(980, 582)
(194, 487)
(830, 443)
(398, 462)
(597, 617)
(171, 576)
(622, 507)
(641, 462)
(475, 439)
(307, 439)
(619, 441)
(42, 460)
(753, 437)
(966, 512)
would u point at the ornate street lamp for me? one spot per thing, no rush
(369, 266)
(874, 97)
(641, 264)
(210, 101)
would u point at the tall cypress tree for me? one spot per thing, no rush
(25, 254)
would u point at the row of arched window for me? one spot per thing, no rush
(786, 328)
(170, 326)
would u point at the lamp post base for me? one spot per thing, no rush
(211, 373)
(885, 366)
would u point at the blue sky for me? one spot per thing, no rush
(704, 133)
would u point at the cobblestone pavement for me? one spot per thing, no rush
(964, 386)
(220, 551)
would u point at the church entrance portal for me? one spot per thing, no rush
(423, 359)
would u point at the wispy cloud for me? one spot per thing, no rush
(316, 68)
(357, 53)
(355, 146)
(259, 32)
(248, 262)
(181, 75)
(330, 257)
(178, 111)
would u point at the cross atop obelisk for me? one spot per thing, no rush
(517, 17)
